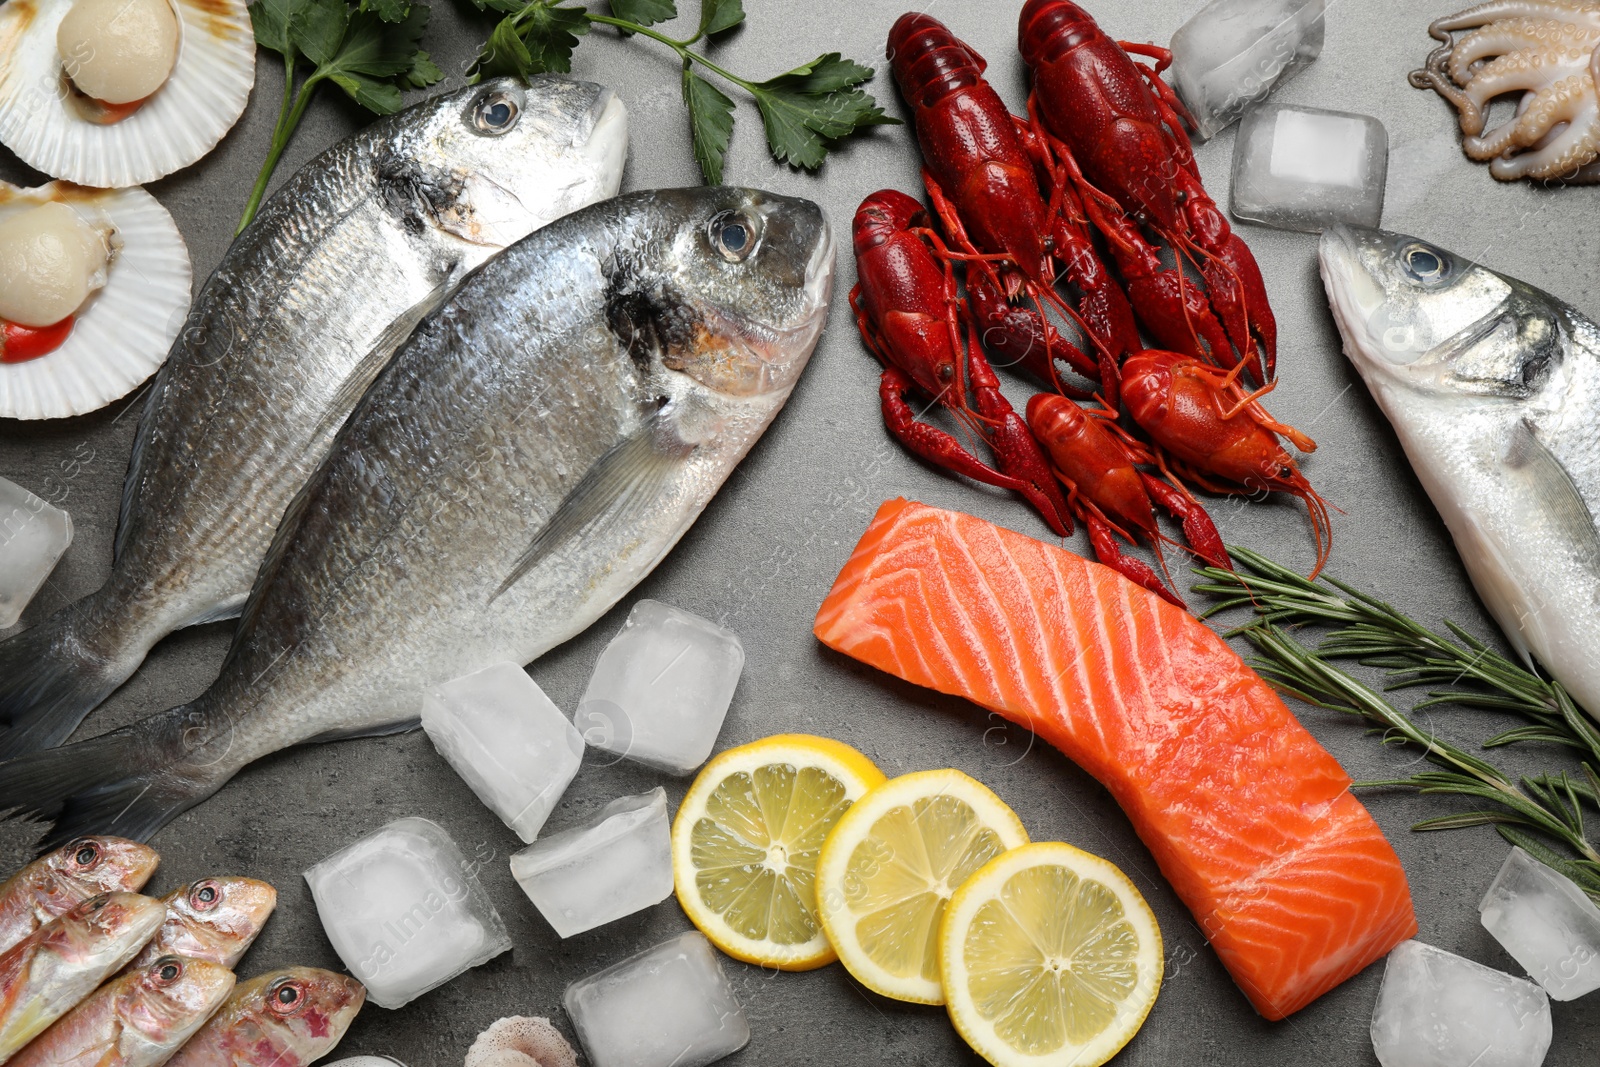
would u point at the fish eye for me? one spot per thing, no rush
(286, 999)
(205, 895)
(1424, 263)
(733, 234)
(495, 113)
(168, 970)
(87, 854)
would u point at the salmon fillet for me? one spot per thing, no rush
(1249, 818)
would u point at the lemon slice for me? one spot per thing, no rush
(892, 862)
(746, 839)
(1049, 957)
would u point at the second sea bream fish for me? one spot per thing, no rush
(1493, 388)
(305, 309)
(531, 453)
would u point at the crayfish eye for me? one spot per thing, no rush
(495, 113)
(205, 896)
(733, 234)
(947, 371)
(1424, 263)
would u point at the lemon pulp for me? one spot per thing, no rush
(898, 879)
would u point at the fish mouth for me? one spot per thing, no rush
(606, 145)
(1380, 332)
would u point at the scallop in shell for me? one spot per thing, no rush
(50, 125)
(122, 332)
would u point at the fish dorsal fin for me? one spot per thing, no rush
(622, 486)
(1556, 495)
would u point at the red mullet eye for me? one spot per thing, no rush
(205, 896)
(87, 854)
(285, 1000)
(169, 970)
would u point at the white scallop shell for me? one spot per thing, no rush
(124, 330)
(179, 123)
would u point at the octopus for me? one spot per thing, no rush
(1546, 50)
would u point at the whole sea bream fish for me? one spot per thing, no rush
(1493, 388)
(47, 973)
(138, 1020)
(285, 1018)
(306, 308)
(56, 883)
(532, 452)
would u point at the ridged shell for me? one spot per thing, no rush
(124, 330)
(178, 124)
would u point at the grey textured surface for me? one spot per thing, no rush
(767, 549)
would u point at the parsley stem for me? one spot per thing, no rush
(288, 121)
(680, 47)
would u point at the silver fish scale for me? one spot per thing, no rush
(305, 310)
(1493, 388)
(496, 409)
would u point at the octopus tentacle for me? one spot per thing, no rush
(1547, 50)
(1574, 11)
(1515, 35)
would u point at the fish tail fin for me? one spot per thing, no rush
(129, 782)
(53, 675)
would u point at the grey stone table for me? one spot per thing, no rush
(767, 549)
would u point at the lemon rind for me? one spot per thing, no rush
(860, 776)
(836, 851)
(978, 1033)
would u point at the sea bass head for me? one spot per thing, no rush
(728, 286)
(166, 1001)
(493, 162)
(293, 1015)
(1418, 319)
(213, 919)
(98, 864)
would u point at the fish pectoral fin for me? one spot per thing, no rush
(622, 486)
(384, 729)
(365, 372)
(1556, 495)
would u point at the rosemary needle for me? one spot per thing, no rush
(1534, 812)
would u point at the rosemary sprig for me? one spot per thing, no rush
(1529, 812)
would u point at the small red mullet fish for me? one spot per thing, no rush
(47, 973)
(286, 1018)
(56, 883)
(214, 919)
(138, 1020)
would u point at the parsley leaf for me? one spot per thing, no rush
(718, 16)
(710, 122)
(814, 104)
(804, 110)
(369, 48)
(644, 12)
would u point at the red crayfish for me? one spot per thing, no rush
(1118, 131)
(1018, 204)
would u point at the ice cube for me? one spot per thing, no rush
(615, 864)
(1301, 168)
(33, 537)
(1436, 1009)
(404, 910)
(669, 1006)
(661, 688)
(1546, 923)
(1235, 52)
(507, 741)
